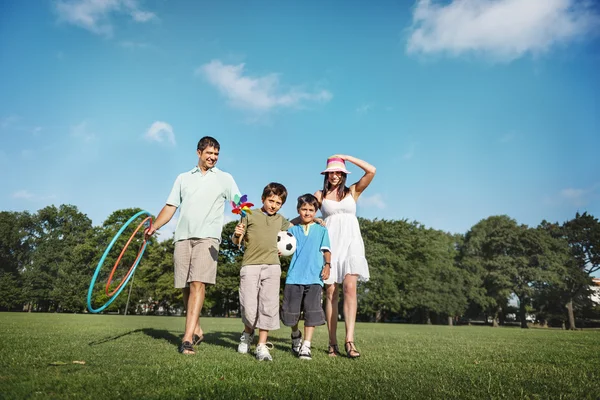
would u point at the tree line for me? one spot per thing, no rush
(418, 274)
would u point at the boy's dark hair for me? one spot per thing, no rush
(307, 199)
(276, 189)
(341, 191)
(208, 141)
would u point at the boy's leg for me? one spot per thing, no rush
(290, 313)
(313, 316)
(268, 308)
(249, 280)
(308, 334)
(268, 300)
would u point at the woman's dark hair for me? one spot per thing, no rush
(341, 191)
(276, 189)
(208, 141)
(308, 199)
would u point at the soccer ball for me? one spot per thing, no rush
(286, 243)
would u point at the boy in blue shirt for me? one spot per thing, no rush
(310, 265)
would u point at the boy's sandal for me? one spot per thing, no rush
(187, 348)
(196, 340)
(333, 351)
(351, 351)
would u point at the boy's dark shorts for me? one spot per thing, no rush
(305, 298)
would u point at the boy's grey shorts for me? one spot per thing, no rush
(307, 298)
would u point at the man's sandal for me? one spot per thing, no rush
(196, 340)
(333, 351)
(187, 348)
(351, 351)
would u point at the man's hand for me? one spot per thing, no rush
(149, 232)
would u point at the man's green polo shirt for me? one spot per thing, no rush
(201, 202)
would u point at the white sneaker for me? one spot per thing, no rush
(296, 344)
(304, 353)
(262, 352)
(245, 342)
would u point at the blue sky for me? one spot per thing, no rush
(467, 108)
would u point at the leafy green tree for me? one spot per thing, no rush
(15, 254)
(55, 234)
(387, 245)
(484, 255)
(582, 235)
(535, 261)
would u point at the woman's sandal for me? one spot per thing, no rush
(187, 348)
(333, 351)
(351, 351)
(196, 340)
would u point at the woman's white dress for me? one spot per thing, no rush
(347, 246)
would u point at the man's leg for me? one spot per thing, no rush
(186, 294)
(194, 305)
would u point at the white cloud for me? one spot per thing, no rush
(95, 15)
(159, 132)
(363, 109)
(410, 153)
(501, 29)
(576, 197)
(9, 121)
(81, 131)
(375, 201)
(22, 194)
(130, 44)
(257, 94)
(507, 137)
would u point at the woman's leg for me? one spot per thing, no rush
(350, 305)
(331, 311)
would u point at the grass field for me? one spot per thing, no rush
(136, 357)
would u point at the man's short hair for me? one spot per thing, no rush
(208, 141)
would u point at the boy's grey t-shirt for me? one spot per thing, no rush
(260, 239)
(201, 202)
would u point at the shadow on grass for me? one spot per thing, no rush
(162, 334)
(113, 338)
(153, 333)
(230, 340)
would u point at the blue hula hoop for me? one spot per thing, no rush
(101, 262)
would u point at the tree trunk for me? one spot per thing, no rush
(449, 320)
(523, 314)
(571, 315)
(378, 315)
(495, 320)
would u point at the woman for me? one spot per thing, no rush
(348, 262)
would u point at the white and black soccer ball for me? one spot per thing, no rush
(286, 243)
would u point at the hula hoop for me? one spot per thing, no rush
(109, 281)
(101, 262)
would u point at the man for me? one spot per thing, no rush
(200, 194)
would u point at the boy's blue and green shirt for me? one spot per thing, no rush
(307, 261)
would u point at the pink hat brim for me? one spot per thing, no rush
(335, 170)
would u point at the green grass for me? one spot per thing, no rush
(136, 357)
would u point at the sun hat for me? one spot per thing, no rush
(335, 164)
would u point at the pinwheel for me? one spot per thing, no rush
(241, 206)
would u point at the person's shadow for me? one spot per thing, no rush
(227, 340)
